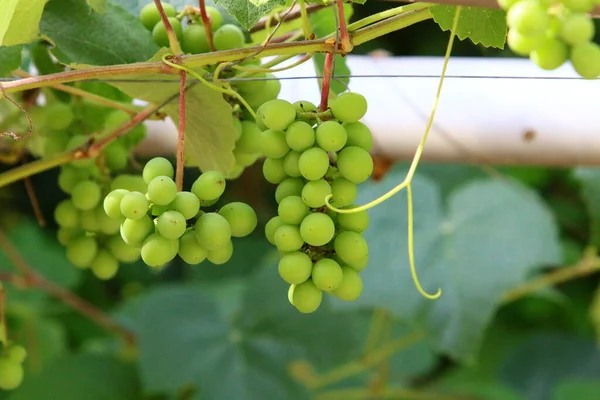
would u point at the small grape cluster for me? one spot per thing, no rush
(89, 235)
(161, 222)
(321, 250)
(192, 34)
(11, 366)
(551, 32)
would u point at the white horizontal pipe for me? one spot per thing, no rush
(494, 118)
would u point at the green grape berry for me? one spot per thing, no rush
(171, 224)
(351, 287)
(273, 170)
(523, 44)
(81, 251)
(59, 116)
(295, 267)
(16, 353)
(189, 249)
(128, 182)
(116, 156)
(528, 17)
(216, 19)
(150, 16)
(306, 297)
(222, 255)
(577, 28)
(11, 374)
(273, 143)
(585, 59)
(300, 136)
(313, 163)
(157, 250)
(276, 114)
(250, 140)
(288, 187)
(550, 55)
(351, 247)
(105, 265)
(356, 222)
(186, 203)
(343, 192)
(317, 229)
(359, 135)
(121, 250)
(291, 163)
(293, 210)
(212, 231)
(241, 218)
(86, 195)
(66, 214)
(209, 186)
(288, 238)
(158, 166)
(348, 107)
(162, 190)
(135, 231)
(579, 5)
(271, 227)
(327, 275)
(355, 164)
(134, 205)
(112, 203)
(331, 136)
(194, 40)
(228, 37)
(159, 32)
(314, 193)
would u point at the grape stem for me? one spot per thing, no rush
(35, 204)
(361, 393)
(324, 45)
(305, 21)
(29, 278)
(207, 23)
(3, 327)
(173, 41)
(326, 86)
(345, 42)
(181, 138)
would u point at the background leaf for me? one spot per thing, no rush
(84, 376)
(492, 236)
(482, 25)
(19, 21)
(10, 59)
(323, 23)
(209, 132)
(196, 345)
(97, 5)
(113, 37)
(577, 389)
(536, 366)
(248, 12)
(589, 179)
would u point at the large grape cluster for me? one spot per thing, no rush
(161, 222)
(310, 157)
(11, 366)
(89, 235)
(551, 32)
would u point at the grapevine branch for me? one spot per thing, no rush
(29, 278)
(345, 42)
(293, 13)
(173, 41)
(207, 23)
(386, 393)
(181, 137)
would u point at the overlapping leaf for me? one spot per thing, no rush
(19, 21)
(481, 25)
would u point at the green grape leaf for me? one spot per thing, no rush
(209, 130)
(44, 338)
(323, 23)
(19, 21)
(577, 389)
(196, 345)
(42, 252)
(85, 376)
(534, 368)
(10, 59)
(491, 236)
(589, 180)
(248, 12)
(97, 5)
(482, 25)
(82, 36)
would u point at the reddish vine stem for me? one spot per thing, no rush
(325, 87)
(28, 277)
(173, 42)
(35, 204)
(207, 25)
(181, 138)
(346, 43)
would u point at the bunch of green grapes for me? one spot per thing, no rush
(161, 222)
(310, 158)
(192, 36)
(551, 32)
(11, 366)
(92, 238)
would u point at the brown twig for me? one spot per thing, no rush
(35, 204)
(207, 25)
(285, 16)
(181, 137)
(3, 327)
(13, 135)
(29, 278)
(325, 87)
(173, 41)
